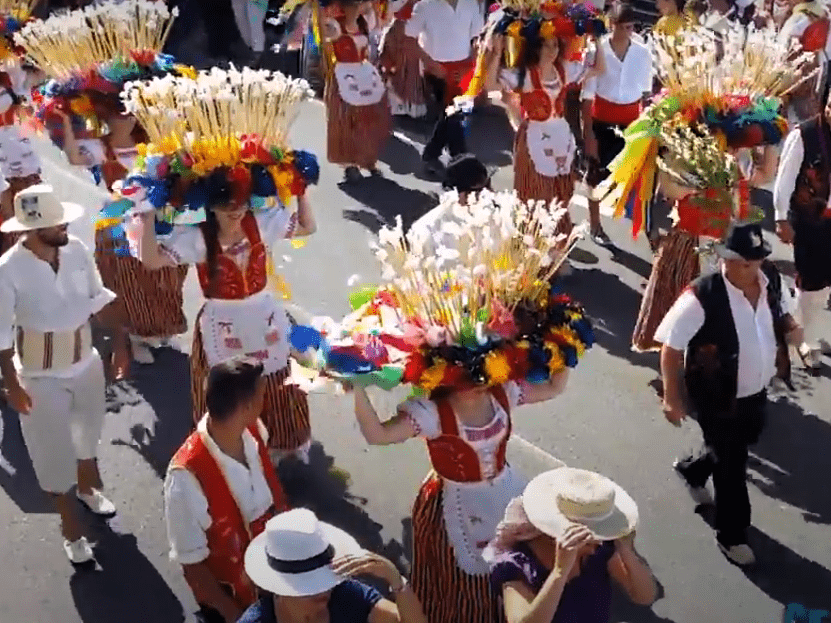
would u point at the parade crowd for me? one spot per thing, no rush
(720, 101)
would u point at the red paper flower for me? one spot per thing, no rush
(414, 368)
(143, 57)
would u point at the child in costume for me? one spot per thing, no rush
(223, 165)
(82, 111)
(700, 132)
(358, 121)
(401, 66)
(478, 338)
(19, 163)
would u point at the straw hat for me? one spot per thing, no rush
(292, 556)
(37, 207)
(559, 498)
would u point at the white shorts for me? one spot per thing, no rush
(65, 423)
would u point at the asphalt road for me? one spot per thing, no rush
(608, 420)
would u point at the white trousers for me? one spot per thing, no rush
(250, 18)
(64, 425)
(811, 305)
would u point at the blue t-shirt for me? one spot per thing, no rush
(350, 602)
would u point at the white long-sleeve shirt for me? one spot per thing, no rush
(443, 31)
(36, 297)
(754, 329)
(624, 81)
(790, 162)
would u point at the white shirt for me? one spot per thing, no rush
(186, 507)
(443, 32)
(35, 297)
(754, 328)
(790, 162)
(623, 82)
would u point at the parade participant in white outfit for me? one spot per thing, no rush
(54, 378)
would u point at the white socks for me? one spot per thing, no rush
(810, 304)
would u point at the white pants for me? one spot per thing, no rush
(811, 305)
(65, 423)
(250, 18)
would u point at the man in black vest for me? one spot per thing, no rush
(724, 331)
(803, 218)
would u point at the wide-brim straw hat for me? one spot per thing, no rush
(292, 556)
(37, 207)
(562, 497)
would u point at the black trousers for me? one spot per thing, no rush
(207, 614)
(220, 27)
(812, 253)
(449, 130)
(724, 457)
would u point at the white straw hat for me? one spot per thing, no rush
(37, 207)
(565, 496)
(292, 556)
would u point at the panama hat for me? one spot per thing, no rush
(562, 497)
(292, 556)
(37, 207)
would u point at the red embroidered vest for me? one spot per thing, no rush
(230, 281)
(345, 48)
(537, 104)
(228, 534)
(452, 456)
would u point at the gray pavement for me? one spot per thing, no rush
(608, 420)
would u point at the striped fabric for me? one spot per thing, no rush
(447, 593)
(46, 350)
(355, 135)
(150, 301)
(285, 410)
(676, 265)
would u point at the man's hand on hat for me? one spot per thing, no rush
(785, 231)
(626, 543)
(369, 564)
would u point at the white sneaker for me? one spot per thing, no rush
(811, 357)
(97, 503)
(78, 552)
(141, 352)
(742, 555)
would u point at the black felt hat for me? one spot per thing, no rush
(466, 173)
(744, 242)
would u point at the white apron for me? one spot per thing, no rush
(359, 84)
(551, 146)
(17, 156)
(257, 326)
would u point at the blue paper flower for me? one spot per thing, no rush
(307, 165)
(196, 196)
(303, 338)
(262, 183)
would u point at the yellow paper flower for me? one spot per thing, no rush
(141, 149)
(547, 30)
(513, 29)
(186, 71)
(431, 378)
(557, 363)
(497, 368)
(170, 145)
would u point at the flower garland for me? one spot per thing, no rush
(14, 14)
(220, 129)
(715, 100)
(480, 313)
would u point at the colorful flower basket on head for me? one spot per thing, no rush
(482, 312)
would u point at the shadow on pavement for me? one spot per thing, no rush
(613, 307)
(324, 488)
(793, 461)
(624, 611)
(125, 587)
(490, 136)
(17, 476)
(385, 199)
(157, 438)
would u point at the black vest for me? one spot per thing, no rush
(810, 195)
(712, 359)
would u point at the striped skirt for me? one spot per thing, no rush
(285, 408)
(675, 266)
(529, 184)
(355, 135)
(150, 301)
(16, 184)
(447, 593)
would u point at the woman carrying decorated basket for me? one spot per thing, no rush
(19, 163)
(526, 56)
(478, 337)
(700, 133)
(218, 158)
(358, 120)
(84, 116)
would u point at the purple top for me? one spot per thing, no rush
(586, 598)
